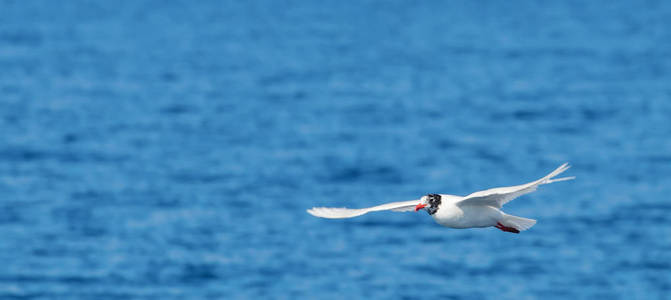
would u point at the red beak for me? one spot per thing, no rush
(419, 206)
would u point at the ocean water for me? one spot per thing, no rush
(168, 150)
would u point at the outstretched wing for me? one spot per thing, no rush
(497, 197)
(342, 212)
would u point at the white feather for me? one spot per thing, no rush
(479, 209)
(497, 197)
(342, 212)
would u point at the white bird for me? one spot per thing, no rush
(479, 209)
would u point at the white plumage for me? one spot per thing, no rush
(479, 209)
(342, 212)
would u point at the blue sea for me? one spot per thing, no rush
(169, 149)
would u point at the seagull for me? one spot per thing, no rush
(477, 210)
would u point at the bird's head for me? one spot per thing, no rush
(429, 203)
(423, 203)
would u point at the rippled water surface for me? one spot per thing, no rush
(155, 150)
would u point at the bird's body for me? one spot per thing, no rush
(479, 209)
(452, 215)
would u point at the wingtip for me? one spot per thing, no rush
(565, 166)
(561, 179)
(320, 212)
(556, 172)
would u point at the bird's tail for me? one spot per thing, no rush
(518, 223)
